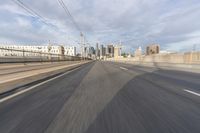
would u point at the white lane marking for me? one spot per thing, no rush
(123, 68)
(32, 87)
(192, 92)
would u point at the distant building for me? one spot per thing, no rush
(138, 52)
(91, 52)
(61, 50)
(84, 51)
(71, 51)
(117, 51)
(152, 49)
(110, 51)
(97, 51)
(102, 51)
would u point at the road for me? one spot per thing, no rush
(107, 97)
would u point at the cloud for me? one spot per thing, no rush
(174, 24)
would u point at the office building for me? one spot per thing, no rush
(117, 51)
(102, 51)
(110, 51)
(97, 51)
(152, 49)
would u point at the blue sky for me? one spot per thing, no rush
(174, 24)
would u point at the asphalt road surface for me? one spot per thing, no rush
(106, 97)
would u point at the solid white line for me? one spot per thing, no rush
(192, 92)
(32, 87)
(123, 68)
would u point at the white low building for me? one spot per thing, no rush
(71, 51)
(11, 50)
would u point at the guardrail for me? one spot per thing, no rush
(23, 56)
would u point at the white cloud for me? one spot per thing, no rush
(173, 24)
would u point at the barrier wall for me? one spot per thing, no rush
(22, 56)
(36, 59)
(190, 60)
(182, 58)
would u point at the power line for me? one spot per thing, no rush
(21, 5)
(64, 6)
(37, 15)
(82, 36)
(31, 11)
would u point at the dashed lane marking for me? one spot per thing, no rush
(192, 92)
(124, 68)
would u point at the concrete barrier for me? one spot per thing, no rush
(11, 59)
(189, 61)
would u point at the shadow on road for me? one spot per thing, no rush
(144, 106)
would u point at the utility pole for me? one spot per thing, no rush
(84, 50)
(82, 43)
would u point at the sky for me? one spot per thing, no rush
(173, 24)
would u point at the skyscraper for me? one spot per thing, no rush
(97, 51)
(110, 51)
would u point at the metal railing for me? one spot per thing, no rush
(22, 56)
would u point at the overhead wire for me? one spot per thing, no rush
(64, 6)
(31, 12)
(42, 19)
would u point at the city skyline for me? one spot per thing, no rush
(172, 24)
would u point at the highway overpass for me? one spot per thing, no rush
(105, 97)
